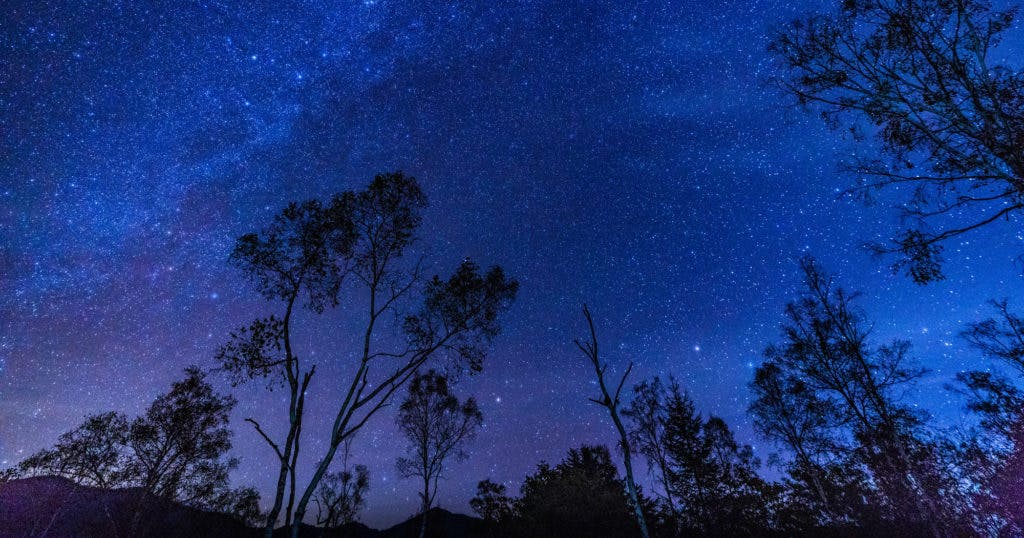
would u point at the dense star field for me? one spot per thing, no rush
(635, 157)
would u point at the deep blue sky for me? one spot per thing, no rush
(630, 155)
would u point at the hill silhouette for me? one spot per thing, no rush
(53, 506)
(57, 507)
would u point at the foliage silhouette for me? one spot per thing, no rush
(838, 401)
(709, 483)
(492, 504)
(355, 246)
(949, 117)
(342, 494)
(438, 427)
(550, 501)
(175, 451)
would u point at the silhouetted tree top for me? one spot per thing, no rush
(311, 245)
(491, 502)
(385, 216)
(551, 499)
(342, 494)
(648, 417)
(255, 351)
(999, 338)
(460, 315)
(829, 366)
(92, 454)
(948, 115)
(712, 477)
(180, 440)
(313, 254)
(786, 408)
(353, 249)
(297, 252)
(993, 459)
(998, 400)
(827, 347)
(432, 416)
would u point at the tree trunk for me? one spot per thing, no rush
(295, 444)
(282, 481)
(627, 462)
(426, 507)
(321, 469)
(631, 487)
(294, 422)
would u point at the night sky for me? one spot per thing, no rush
(632, 156)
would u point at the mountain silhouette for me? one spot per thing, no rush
(55, 507)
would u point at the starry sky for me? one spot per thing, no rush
(632, 155)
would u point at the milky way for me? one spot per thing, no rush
(632, 156)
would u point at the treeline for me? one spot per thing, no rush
(857, 457)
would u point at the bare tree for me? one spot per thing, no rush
(438, 426)
(948, 113)
(611, 402)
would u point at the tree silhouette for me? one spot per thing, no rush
(996, 458)
(355, 247)
(582, 497)
(342, 494)
(180, 441)
(990, 394)
(825, 484)
(995, 398)
(93, 454)
(648, 416)
(176, 451)
(492, 504)
(438, 426)
(948, 114)
(295, 259)
(827, 350)
(611, 402)
(242, 504)
(710, 482)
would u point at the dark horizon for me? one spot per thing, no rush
(632, 157)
